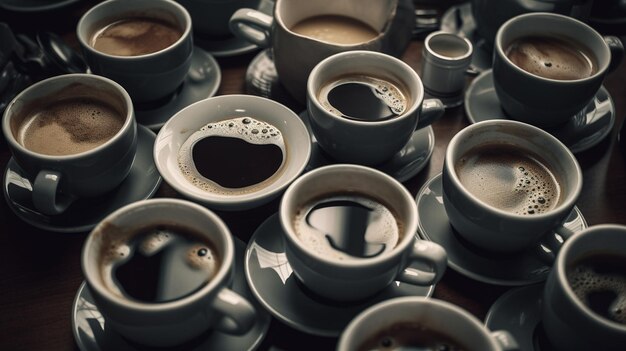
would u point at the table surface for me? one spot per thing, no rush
(40, 271)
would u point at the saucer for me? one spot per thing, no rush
(232, 46)
(262, 80)
(277, 289)
(514, 269)
(403, 166)
(518, 311)
(141, 183)
(202, 82)
(460, 20)
(31, 6)
(586, 129)
(91, 334)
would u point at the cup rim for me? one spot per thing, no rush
(85, 44)
(430, 36)
(564, 283)
(565, 205)
(413, 77)
(361, 263)
(71, 78)
(213, 284)
(500, 50)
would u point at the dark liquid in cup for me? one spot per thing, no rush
(409, 336)
(160, 263)
(348, 226)
(553, 58)
(135, 36)
(599, 281)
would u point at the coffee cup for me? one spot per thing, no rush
(232, 152)
(349, 232)
(210, 17)
(547, 67)
(74, 135)
(507, 185)
(364, 106)
(150, 65)
(160, 270)
(303, 33)
(584, 299)
(422, 324)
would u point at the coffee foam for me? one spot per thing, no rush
(335, 29)
(389, 93)
(387, 227)
(135, 36)
(246, 128)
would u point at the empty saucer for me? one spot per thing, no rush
(518, 311)
(586, 129)
(141, 183)
(31, 6)
(91, 334)
(202, 82)
(403, 166)
(501, 269)
(278, 290)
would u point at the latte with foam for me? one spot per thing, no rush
(135, 36)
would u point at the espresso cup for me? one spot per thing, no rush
(155, 62)
(417, 322)
(584, 299)
(507, 185)
(547, 67)
(350, 232)
(74, 135)
(160, 271)
(210, 17)
(303, 33)
(364, 106)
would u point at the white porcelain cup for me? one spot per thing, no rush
(443, 318)
(213, 306)
(353, 278)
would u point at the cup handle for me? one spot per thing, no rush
(46, 197)
(617, 51)
(432, 109)
(429, 253)
(252, 25)
(238, 314)
(505, 340)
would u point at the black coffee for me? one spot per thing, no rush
(160, 263)
(364, 98)
(505, 177)
(408, 336)
(341, 226)
(233, 156)
(552, 58)
(135, 36)
(599, 281)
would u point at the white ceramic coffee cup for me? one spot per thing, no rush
(368, 142)
(436, 315)
(496, 229)
(569, 323)
(214, 306)
(358, 278)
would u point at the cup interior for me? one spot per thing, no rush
(448, 46)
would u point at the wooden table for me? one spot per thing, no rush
(40, 271)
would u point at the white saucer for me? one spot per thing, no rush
(460, 20)
(403, 166)
(31, 6)
(585, 130)
(91, 334)
(202, 82)
(500, 269)
(277, 289)
(518, 311)
(142, 182)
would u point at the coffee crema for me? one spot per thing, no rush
(341, 226)
(234, 156)
(363, 98)
(158, 263)
(599, 281)
(512, 180)
(335, 29)
(410, 336)
(552, 58)
(135, 36)
(69, 126)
